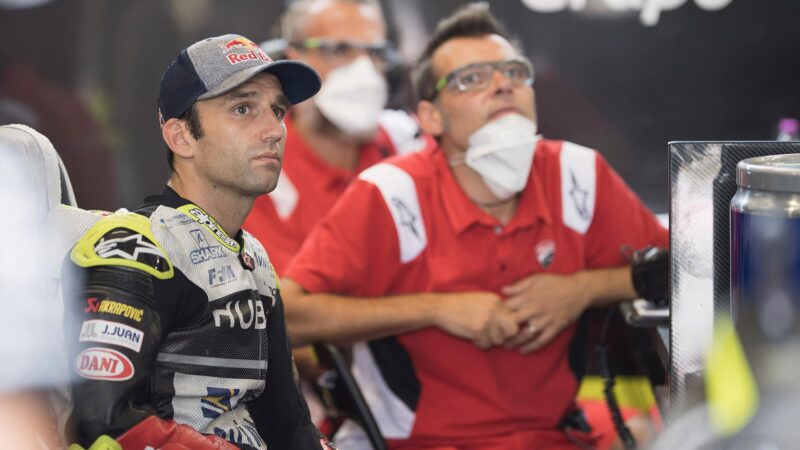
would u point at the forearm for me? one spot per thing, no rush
(343, 320)
(606, 286)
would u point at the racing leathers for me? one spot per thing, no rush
(173, 318)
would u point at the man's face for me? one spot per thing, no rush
(243, 137)
(336, 22)
(465, 112)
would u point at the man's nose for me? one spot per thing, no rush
(501, 83)
(272, 128)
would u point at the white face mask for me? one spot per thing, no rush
(502, 153)
(352, 96)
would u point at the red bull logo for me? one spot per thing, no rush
(238, 43)
(252, 51)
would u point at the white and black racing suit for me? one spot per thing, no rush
(174, 318)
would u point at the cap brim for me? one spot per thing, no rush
(298, 80)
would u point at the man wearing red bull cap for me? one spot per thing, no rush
(180, 340)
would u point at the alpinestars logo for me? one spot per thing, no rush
(131, 247)
(203, 218)
(407, 218)
(217, 402)
(579, 197)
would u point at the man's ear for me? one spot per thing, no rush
(430, 118)
(178, 138)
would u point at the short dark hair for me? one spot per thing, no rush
(473, 20)
(192, 118)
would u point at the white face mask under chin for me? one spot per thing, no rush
(502, 153)
(352, 96)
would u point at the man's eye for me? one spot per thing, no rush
(471, 78)
(280, 113)
(516, 72)
(242, 109)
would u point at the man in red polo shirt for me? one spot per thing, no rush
(332, 138)
(522, 233)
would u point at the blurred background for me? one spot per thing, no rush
(622, 76)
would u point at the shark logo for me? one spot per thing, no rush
(407, 218)
(579, 197)
(217, 402)
(199, 239)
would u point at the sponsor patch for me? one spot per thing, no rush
(106, 332)
(220, 275)
(205, 254)
(218, 401)
(261, 260)
(545, 252)
(92, 304)
(204, 251)
(203, 218)
(178, 219)
(247, 261)
(97, 363)
(243, 314)
(133, 247)
(241, 433)
(116, 308)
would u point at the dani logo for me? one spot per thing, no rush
(103, 364)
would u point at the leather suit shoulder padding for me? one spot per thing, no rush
(123, 240)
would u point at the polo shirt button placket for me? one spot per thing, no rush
(498, 229)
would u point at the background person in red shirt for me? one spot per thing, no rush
(335, 136)
(466, 265)
(331, 139)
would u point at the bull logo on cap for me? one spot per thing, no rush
(249, 51)
(239, 42)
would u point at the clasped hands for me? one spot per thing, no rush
(530, 313)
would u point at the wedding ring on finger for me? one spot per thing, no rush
(531, 328)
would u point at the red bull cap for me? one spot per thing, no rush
(216, 65)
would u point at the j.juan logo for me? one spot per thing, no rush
(97, 363)
(106, 332)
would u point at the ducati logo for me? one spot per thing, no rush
(545, 252)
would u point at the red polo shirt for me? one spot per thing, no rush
(406, 226)
(309, 186)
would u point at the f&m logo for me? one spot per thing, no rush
(221, 275)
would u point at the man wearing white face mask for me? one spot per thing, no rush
(343, 130)
(492, 213)
(336, 135)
